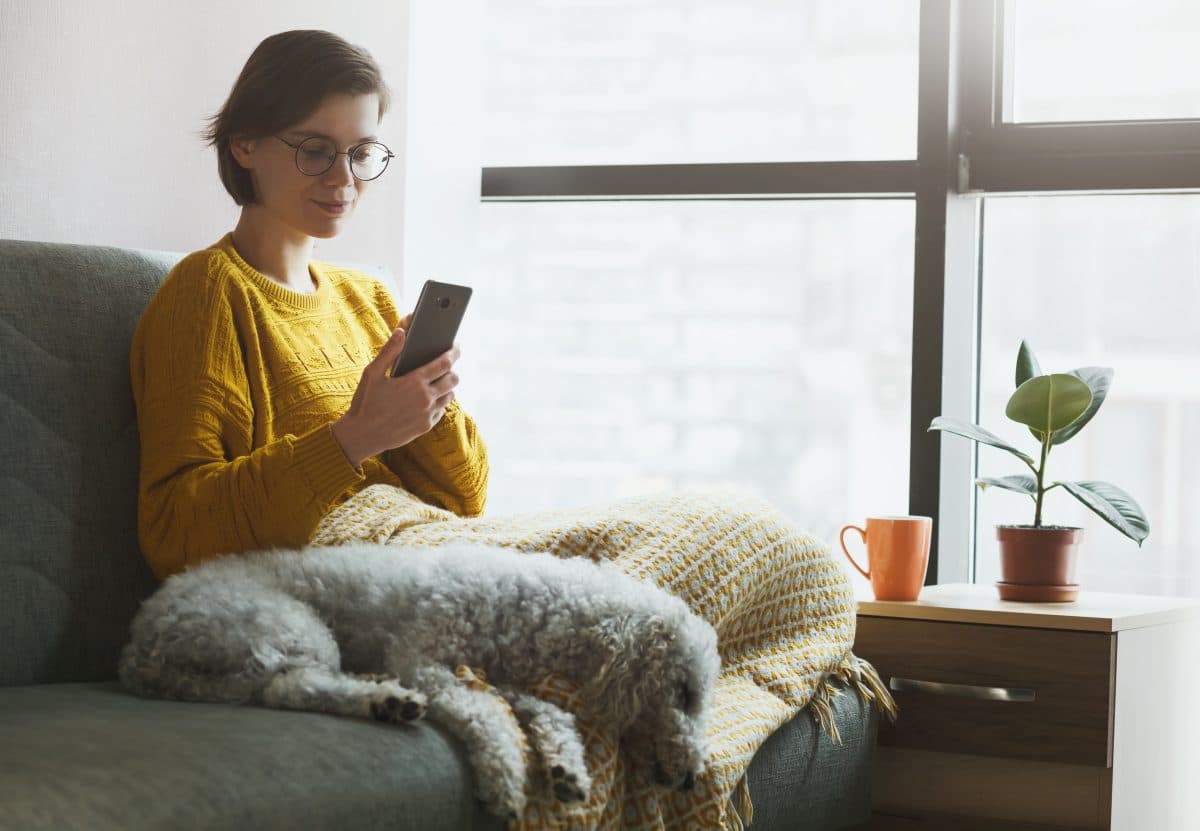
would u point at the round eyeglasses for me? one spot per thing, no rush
(315, 155)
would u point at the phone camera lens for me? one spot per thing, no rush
(443, 302)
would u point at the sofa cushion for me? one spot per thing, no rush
(95, 757)
(801, 781)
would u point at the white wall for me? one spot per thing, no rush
(101, 104)
(441, 221)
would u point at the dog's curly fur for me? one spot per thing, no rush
(376, 631)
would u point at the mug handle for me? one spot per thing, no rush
(842, 540)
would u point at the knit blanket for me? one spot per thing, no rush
(783, 610)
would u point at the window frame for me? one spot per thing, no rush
(965, 149)
(1001, 156)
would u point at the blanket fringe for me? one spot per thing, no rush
(740, 811)
(860, 673)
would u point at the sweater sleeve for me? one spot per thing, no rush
(448, 466)
(203, 489)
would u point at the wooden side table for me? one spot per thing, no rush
(1036, 715)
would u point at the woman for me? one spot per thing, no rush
(260, 428)
(255, 413)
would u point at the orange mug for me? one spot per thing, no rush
(897, 554)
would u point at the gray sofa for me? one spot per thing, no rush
(78, 752)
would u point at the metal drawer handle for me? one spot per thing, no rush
(962, 690)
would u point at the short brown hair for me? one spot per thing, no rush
(284, 81)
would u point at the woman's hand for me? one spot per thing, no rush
(390, 412)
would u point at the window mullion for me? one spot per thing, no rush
(945, 287)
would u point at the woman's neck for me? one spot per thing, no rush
(279, 253)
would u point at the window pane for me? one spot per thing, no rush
(1115, 60)
(1100, 281)
(630, 347)
(629, 82)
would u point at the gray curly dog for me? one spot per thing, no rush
(315, 629)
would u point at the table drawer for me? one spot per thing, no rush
(937, 669)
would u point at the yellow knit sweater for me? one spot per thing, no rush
(237, 381)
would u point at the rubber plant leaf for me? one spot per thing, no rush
(1049, 402)
(1019, 482)
(977, 433)
(1098, 379)
(1114, 506)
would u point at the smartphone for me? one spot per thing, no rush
(434, 325)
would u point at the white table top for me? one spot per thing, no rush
(1091, 611)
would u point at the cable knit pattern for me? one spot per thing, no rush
(237, 381)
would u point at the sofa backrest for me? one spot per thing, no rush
(71, 573)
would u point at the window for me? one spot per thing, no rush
(658, 173)
(1115, 60)
(1102, 281)
(759, 334)
(629, 82)
(653, 345)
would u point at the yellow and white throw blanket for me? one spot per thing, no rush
(782, 608)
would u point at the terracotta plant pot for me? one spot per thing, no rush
(1038, 564)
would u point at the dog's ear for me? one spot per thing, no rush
(630, 653)
(603, 642)
(617, 674)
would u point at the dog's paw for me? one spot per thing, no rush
(396, 710)
(501, 790)
(510, 814)
(397, 706)
(566, 785)
(502, 799)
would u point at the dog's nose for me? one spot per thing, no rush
(689, 782)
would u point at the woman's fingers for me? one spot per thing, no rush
(441, 365)
(390, 351)
(446, 383)
(439, 407)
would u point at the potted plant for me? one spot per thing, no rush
(1038, 561)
